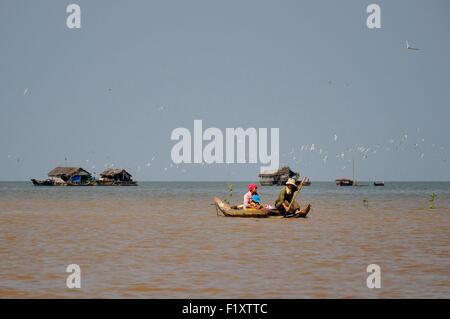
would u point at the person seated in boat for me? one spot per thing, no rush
(285, 197)
(255, 202)
(252, 190)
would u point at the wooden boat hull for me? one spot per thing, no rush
(117, 183)
(228, 211)
(47, 182)
(344, 183)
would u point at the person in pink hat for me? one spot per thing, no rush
(252, 190)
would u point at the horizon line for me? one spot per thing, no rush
(252, 181)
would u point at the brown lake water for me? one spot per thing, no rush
(164, 240)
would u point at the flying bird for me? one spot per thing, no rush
(25, 91)
(410, 47)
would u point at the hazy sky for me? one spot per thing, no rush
(113, 91)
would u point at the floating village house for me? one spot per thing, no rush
(278, 176)
(116, 176)
(72, 175)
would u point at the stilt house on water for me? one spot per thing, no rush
(116, 177)
(67, 176)
(278, 176)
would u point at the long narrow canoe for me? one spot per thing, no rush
(226, 210)
(229, 211)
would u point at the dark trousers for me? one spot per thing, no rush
(294, 207)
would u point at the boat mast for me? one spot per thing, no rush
(353, 168)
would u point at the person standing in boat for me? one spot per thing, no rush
(252, 190)
(285, 197)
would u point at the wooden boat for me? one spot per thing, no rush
(229, 211)
(116, 183)
(47, 182)
(89, 183)
(344, 182)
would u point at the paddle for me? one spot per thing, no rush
(295, 194)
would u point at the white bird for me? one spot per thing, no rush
(410, 47)
(335, 137)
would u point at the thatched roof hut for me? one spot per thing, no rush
(64, 175)
(68, 172)
(116, 174)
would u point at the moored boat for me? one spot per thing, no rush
(47, 182)
(378, 183)
(344, 182)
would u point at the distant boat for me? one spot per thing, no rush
(307, 182)
(378, 183)
(344, 182)
(47, 182)
(347, 181)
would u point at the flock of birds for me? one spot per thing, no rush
(295, 153)
(300, 154)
